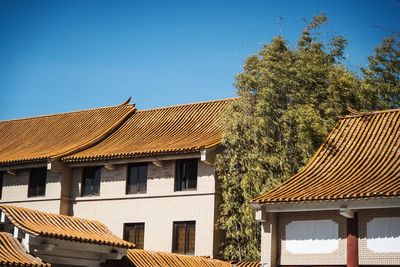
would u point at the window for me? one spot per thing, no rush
(184, 237)
(1, 183)
(91, 181)
(186, 174)
(134, 233)
(37, 182)
(136, 179)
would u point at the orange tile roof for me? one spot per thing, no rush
(38, 223)
(359, 159)
(13, 254)
(178, 129)
(39, 138)
(247, 264)
(144, 258)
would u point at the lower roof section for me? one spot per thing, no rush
(247, 264)
(141, 258)
(64, 227)
(13, 254)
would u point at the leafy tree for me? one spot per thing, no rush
(381, 84)
(289, 99)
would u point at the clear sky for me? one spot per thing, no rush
(58, 56)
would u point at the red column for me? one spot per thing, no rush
(352, 241)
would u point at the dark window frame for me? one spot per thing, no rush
(141, 185)
(89, 173)
(187, 225)
(136, 228)
(37, 182)
(1, 183)
(186, 174)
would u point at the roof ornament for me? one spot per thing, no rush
(126, 101)
(354, 112)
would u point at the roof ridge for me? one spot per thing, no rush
(189, 104)
(68, 112)
(368, 113)
(101, 137)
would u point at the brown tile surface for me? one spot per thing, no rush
(144, 258)
(178, 129)
(39, 138)
(359, 159)
(63, 227)
(13, 254)
(247, 264)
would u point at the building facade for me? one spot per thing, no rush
(147, 175)
(343, 207)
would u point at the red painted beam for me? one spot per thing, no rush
(352, 241)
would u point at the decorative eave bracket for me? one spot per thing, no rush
(346, 212)
(158, 163)
(208, 155)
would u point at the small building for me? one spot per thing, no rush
(343, 207)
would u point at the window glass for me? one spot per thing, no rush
(134, 233)
(184, 237)
(37, 182)
(91, 178)
(186, 174)
(136, 178)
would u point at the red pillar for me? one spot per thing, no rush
(352, 241)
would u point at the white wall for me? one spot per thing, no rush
(158, 208)
(379, 236)
(312, 237)
(383, 234)
(15, 192)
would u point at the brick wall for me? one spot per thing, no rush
(367, 256)
(269, 243)
(158, 208)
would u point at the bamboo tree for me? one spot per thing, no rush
(289, 99)
(381, 83)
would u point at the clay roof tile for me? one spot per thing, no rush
(39, 223)
(177, 129)
(360, 158)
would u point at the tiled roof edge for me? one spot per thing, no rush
(68, 112)
(23, 161)
(368, 113)
(130, 155)
(189, 104)
(330, 200)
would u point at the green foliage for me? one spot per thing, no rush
(381, 84)
(289, 99)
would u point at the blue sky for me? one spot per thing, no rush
(58, 56)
